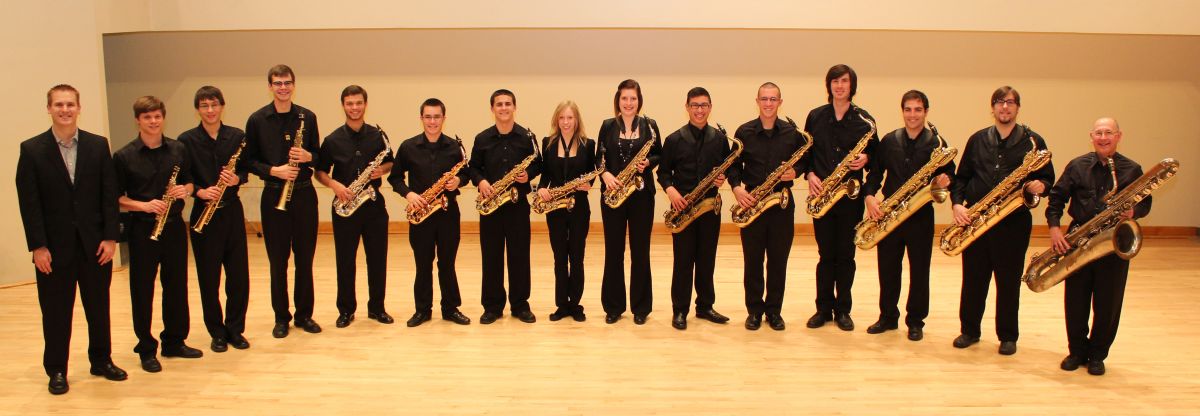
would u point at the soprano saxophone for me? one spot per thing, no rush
(434, 196)
(562, 196)
(160, 220)
(764, 195)
(285, 194)
(503, 190)
(361, 187)
(696, 203)
(1107, 233)
(917, 191)
(835, 186)
(210, 207)
(629, 177)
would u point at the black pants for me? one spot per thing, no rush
(56, 296)
(222, 244)
(695, 250)
(436, 237)
(770, 235)
(285, 233)
(145, 258)
(505, 231)
(835, 245)
(369, 223)
(568, 239)
(916, 236)
(1000, 250)
(1100, 288)
(637, 216)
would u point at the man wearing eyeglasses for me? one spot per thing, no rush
(989, 157)
(270, 133)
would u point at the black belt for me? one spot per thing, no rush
(295, 185)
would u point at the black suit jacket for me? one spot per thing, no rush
(54, 211)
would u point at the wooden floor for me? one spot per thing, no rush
(591, 368)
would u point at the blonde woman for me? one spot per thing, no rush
(567, 154)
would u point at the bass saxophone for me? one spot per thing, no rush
(210, 207)
(1106, 233)
(836, 185)
(1002, 200)
(917, 191)
(504, 192)
(285, 194)
(562, 196)
(676, 221)
(434, 198)
(160, 220)
(630, 179)
(361, 187)
(764, 195)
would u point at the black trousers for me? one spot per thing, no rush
(146, 256)
(695, 250)
(1098, 288)
(222, 244)
(285, 233)
(636, 216)
(436, 237)
(999, 251)
(770, 235)
(835, 246)
(505, 231)
(56, 296)
(916, 236)
(568, 239)
(370, 224)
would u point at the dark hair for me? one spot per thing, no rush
(354, 90)
(628, 84)
(499, 92)
(432, 102)
(836, 72)
(914, 95)
(772, 85)
(208, 92)
(61, 87)
(148, 104)
(1001, 92)
(280, 71)
(696, 92)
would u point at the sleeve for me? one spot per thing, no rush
(313, 146)
(243, 174)
(733, 175)
(800, 141)
(30, 199)
(535, 168)
(1046, 173)
(1060, 194)
(875, 168)
(396, 177)
(806, 161)
(590, 146)
(324, 163)
(656, 148)
(185, 166)
(252, 158)
(666, 165)
(966, 170)
(601, 150)
(390, 158)
(1142, 209)
(476, 167)
(545, 181)
(109, 192)
(120, 174)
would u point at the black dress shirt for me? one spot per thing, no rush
(901, 157)
(494, 154)
(143, 173)
(558, 170)
(266, 147)
(425, 163)
(690, 154)
(988, 159)
(208, 157)
(617, 152)
(765, 151)
(833, 139)
(1085, 182)
(345, 153)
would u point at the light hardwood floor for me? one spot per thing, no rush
(591, 368)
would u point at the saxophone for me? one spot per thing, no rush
(433, 197)
(503, 188)
(285, 195)
(1002, 200)
(630, 179)
(361, 187)
(764, 195)
(562, 196)
(160, 220)
(210, 207)
(676, 221)
(917, 191)
(836, 185)
(1106, 233)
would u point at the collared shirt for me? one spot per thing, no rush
(900, 157)
(765, 151)
(266, 146)
(345, 153)
(560, 169)
(989, 158)
(833, 139)
(494, 154)
(69, 148)
(143, 173)
(1085, 182)
(617, 150)
(689, 156)
(208, 156)
(425, 163)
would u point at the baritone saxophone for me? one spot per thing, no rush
(917, 191)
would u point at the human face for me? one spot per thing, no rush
(628, 102)
(840, 87)
(503, 108)
(698, 109)
(355, 107)
(566, 122)
(210, 111)
(432, 119)
(914, 114)
(150, 124)
(1005, 109)
(63, 108)
(282, 88)
(768, 102)
(1105, 136)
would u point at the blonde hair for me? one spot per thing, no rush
(579, 135)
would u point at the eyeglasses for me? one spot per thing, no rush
(1009, 102)
(431, 117)
(768, 99)
(206, 106)
(1104, 133)
(699, 106)
(278, 84)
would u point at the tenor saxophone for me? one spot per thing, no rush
(160, 220)
(210, 207)
(361, 187)
(434, 196)
(696, 203)
(562, 196)
(629, 177)
(835, 186)
(1106, 233)
(504, 192)
(917, 191)
(285, 194)
(764, 195)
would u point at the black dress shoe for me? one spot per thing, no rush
(844, 322)
(489, 317)
(110, 371)
(881, 326)
(915, 334)
(456, 317)
(1096, 367)
(310, 326)
(381, 317)
(639, 319)
(557, 315)
(526, 317)
(219, 345)
(343, 320)
(679, 321)
(1072, 362)
(712, 316)
(58, 383)
(753, 322)
(578, 316)
(280, 331)
(964, 341)
(611, 318)
(150, 364)
(238, 341)
(417, 319)
(818, 320)
(182, 351)
(1008, 347)
(776, 321)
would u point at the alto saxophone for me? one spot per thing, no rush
(1002, 200)
(434, 198)
(695, 202)
(629, 177)
(1106, 233)
(503, 190)
(562, 196)
(361, 187)
(764, 195)
(210, 207)
(836, 185)
(285, 195)
(917, 191)
(160, 220)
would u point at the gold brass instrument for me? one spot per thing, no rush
(1002, 200)
(503, 190)
(1106, 233)
(434, 197)
(285, 195)
(763, 194)
(361, 187)
(562, 196)
(835, 186)
(629, 177)
(160, 220)
(917, 191)
(210, 207)
(676, 221)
